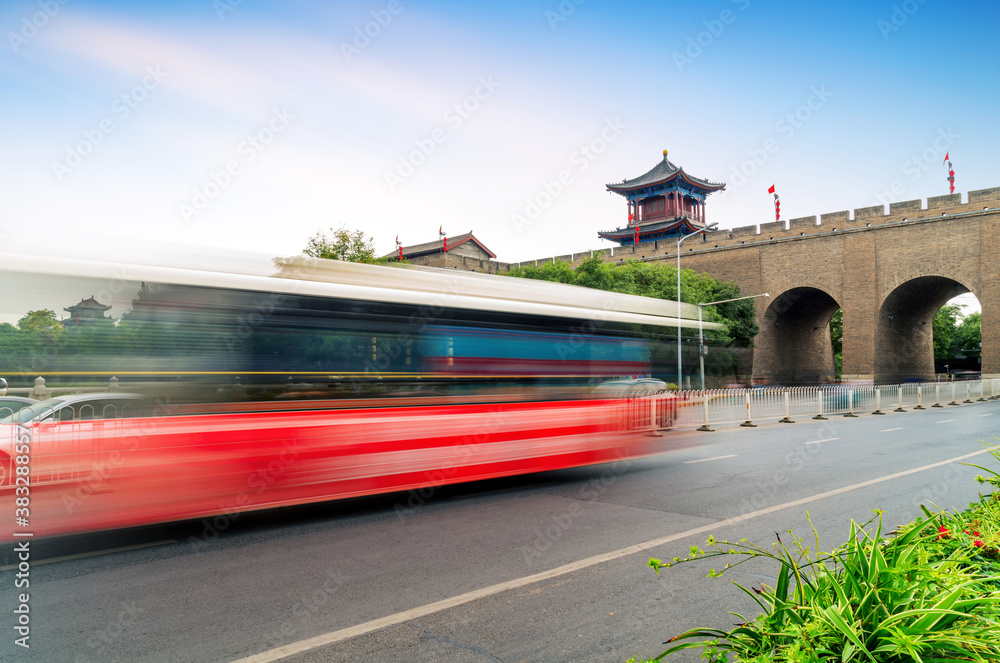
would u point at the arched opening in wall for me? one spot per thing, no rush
(794, 345)
(958, 339)
(908, 321)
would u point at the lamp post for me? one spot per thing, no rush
(696, 232)
(701, 333)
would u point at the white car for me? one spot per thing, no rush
(59, 432)
(632, 385)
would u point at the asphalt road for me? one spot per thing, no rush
(549, 567)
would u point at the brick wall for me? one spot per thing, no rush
(869, 263)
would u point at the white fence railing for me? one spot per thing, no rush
(786, 404)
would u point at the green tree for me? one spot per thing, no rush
(16, 347)
(343, 244)
(968, 335)
(945, 326)
(837, 340)
(658, 280)
(42, 324)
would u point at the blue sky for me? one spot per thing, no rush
(251, 125)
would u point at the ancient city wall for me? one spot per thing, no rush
(910, 211)
(888, 270)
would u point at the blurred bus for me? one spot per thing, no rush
(324, 381)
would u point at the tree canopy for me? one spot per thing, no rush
(659, 280)
(955, 335)
(343, 244)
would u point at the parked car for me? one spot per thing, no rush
(632, 385)
(665, 403)
(11, 404)
(56, 430)
(78, 407)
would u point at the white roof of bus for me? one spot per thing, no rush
(429, 287)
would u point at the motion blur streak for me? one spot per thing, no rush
(172, 394)
(194, 466)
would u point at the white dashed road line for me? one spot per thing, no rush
(889, 430)
(96, 553)
(705, 460)
(829, 439)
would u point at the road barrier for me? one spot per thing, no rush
(704, 409)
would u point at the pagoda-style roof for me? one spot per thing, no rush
(89, 304)
(661, 175)
(437, 246)
(654, 230)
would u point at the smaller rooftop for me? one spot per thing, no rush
(437, 246)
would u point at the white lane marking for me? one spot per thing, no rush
(986, 415)
(705, 460)
(53, 560)
(829, 439)
(889, 430)
(946, 421)
(431, 608)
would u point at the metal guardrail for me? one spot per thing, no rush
(702, 409)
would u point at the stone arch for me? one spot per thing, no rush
(904, 337)
(794, 346)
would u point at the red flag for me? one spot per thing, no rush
(945, 158)
(771, 190)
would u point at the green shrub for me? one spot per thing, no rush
(929, 593)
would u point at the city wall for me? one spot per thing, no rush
(889, 270)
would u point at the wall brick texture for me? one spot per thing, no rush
(888, 272)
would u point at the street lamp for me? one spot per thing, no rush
(701, 333)
(696, 232)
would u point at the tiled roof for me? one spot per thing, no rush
(437, 246)
(648, 228)
(89, 303)
(660, 173)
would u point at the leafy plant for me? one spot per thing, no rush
(915, 597)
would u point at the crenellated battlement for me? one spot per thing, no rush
(908, 211)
